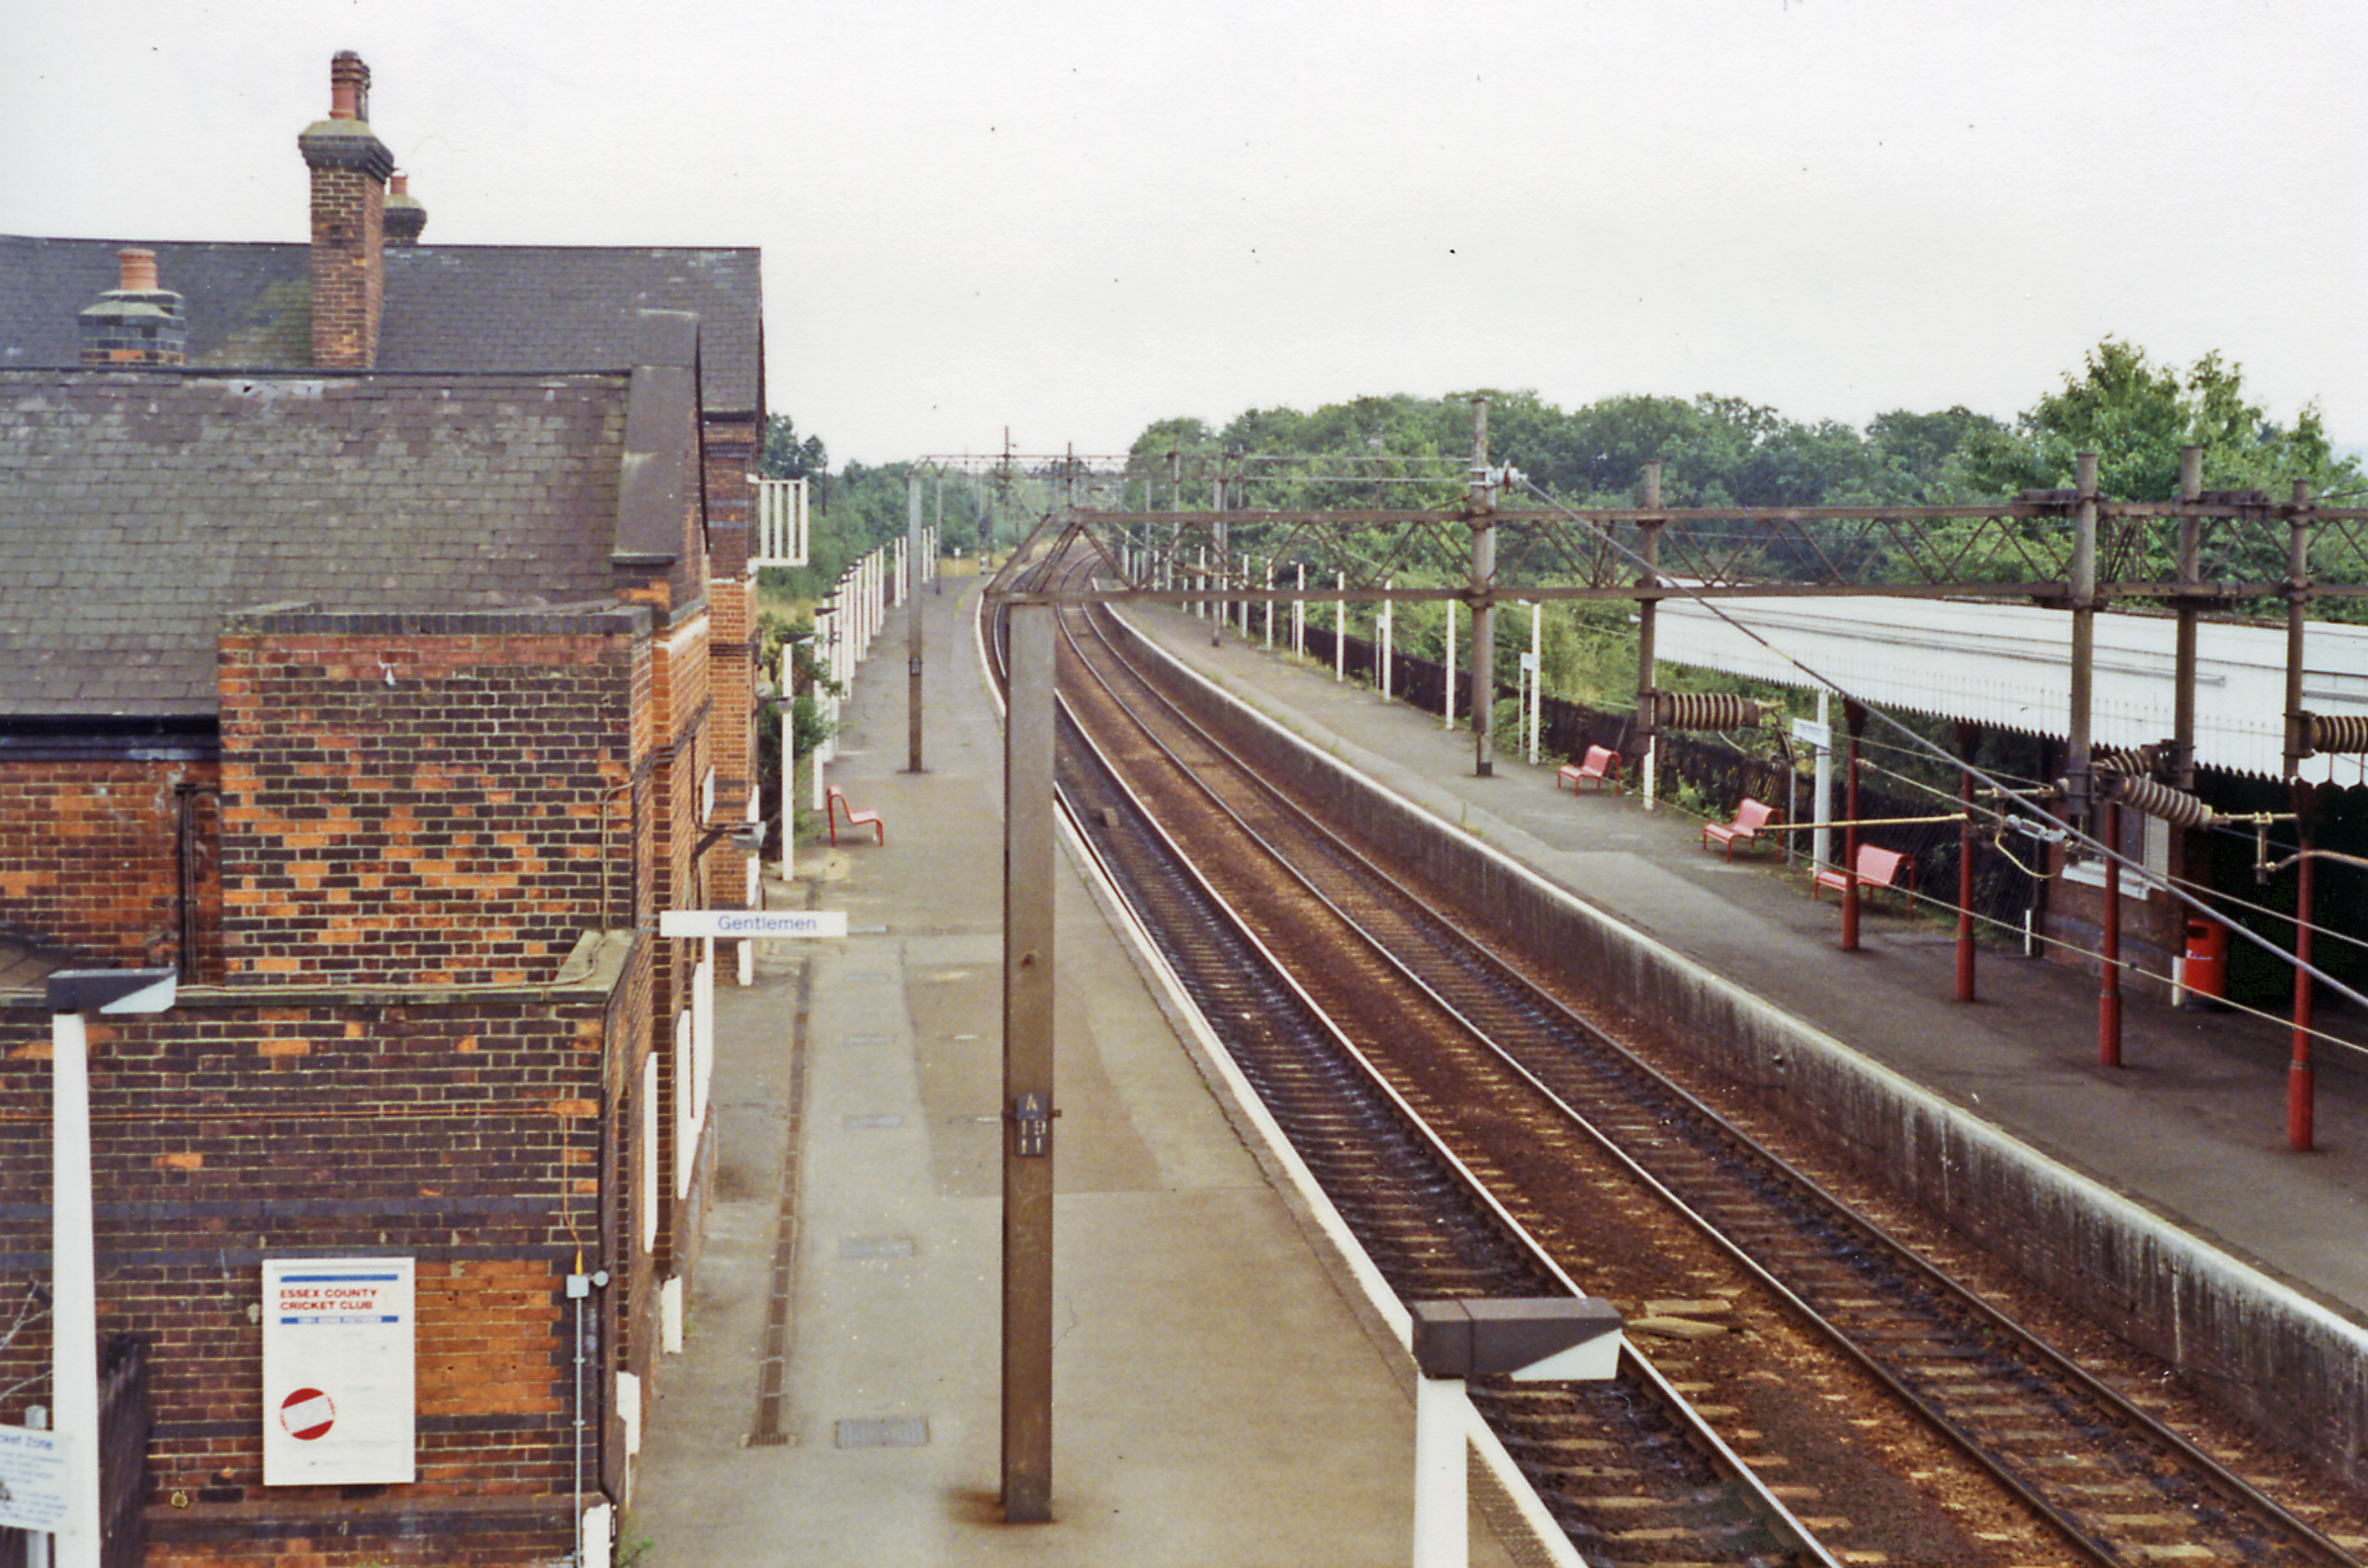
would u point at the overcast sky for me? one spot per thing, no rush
(1070, 218)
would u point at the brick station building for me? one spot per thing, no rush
(375, 650)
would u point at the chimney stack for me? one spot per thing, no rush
(405, 217)
(136, 322)
(349, 168)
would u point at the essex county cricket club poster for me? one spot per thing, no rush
(338, 1351)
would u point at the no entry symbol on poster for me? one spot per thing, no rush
(339, 1370)
(307, 1414)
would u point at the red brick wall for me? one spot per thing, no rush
(429, 809)
(463, 1133)
(91, 856)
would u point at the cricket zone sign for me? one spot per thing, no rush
(340, 1356)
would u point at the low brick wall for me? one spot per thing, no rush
(2294, 1366)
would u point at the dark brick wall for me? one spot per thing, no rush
(466, 1132)
(92, 857)
(428, 809)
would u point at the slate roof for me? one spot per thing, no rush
(447, 307)
(137, 506)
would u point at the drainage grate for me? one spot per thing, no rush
(890, 1431)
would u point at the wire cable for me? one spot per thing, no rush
(1915, 741)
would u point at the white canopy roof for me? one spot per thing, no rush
(2010, 666)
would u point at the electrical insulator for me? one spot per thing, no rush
(2175, 807)
(2334, 733)
(1708, 710)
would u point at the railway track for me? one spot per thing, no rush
(1463, 1122)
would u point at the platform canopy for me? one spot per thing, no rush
(2010, 667)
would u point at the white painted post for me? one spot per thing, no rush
(73, 1289)
(1270, 605)
(1441, 1525)
(1299, 615)
(1387, 630)
(1446, 699)
(789, 761)
(1339, 633)
(1536, 679)
(73, 1259)
(1821, 839)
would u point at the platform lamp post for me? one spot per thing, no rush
(73, 1269)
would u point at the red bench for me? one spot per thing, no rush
(835, 798)
(1600, 766)
(1750, 817)
(1877, 868)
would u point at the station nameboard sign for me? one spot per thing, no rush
(823, 923)
(339, 1359)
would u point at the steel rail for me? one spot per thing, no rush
(1773, 1514)
(2233, 1489)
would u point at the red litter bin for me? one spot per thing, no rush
(2206, 973)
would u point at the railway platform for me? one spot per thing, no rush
(1219, 1395)
(2192, 1126)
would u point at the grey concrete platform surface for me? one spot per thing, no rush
(1218, 1397)
(2192, 1126)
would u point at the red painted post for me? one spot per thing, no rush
(2299, 1080)
(2109, 968)
(1855, 717)
(1969, 738)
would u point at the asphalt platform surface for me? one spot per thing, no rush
(1220, 1393)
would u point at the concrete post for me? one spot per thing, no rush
(1340, 632)
(2077, 779)
(73, 1258)
(1446, 691)
(1029, 846)
(2182, 733)
(1442, 1508)
(1537, 677)
(2298, 602)
(1648, 712)
(73, 1289)
(913, 636)
(1821, 839)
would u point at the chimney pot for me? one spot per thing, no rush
(137, 324)
(349, 87)
(406, 217)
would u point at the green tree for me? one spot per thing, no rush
(2136, 415)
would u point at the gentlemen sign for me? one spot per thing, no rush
(338, 1363)
(827, 923)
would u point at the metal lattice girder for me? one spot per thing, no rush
(2020, 549)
